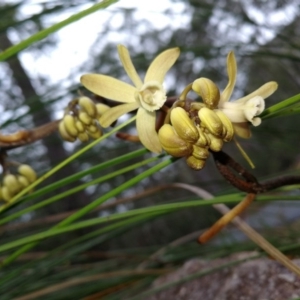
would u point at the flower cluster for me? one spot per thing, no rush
(193, 133)
(146, 96)
(13, 184)
(81, 120)
(191, 129)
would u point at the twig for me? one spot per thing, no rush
(25, 137)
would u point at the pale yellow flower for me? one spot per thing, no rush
(246, 109)
(146, 97)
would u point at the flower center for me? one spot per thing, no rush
(151, 96)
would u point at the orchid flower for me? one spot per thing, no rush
(146, 96)
(245, 109)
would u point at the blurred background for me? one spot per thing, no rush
(36, 85)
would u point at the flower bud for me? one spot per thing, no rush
(95, 135)
(202, 141)
(24, 182)
(183, 125)
(83, 137)
(88, 106)
(92, 128)
(101, 109)
(64, 134)
(11, 182)
(70, 126)
(6, 194)
(195, 163)
(84, 118)
(28, 172)
(208, 91)
(200, 152)
(228, 130)
(79, 126)
(211, 121)
(172, 143)
(216, 143)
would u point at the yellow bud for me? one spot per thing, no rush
(83, 137)
(28, 172)
(95, 135)
(70, 126)
(6, 194)
(84, 118)
(172, 143)
(208, 91)
(183, 125)
(216, 143)
(200, 152)
(64, 134)
(211, 121)
(79, 126)
(101, 109)
(88, 106)
(195, 163)
(92, 128)
(228, 130)
(24, 182)
(202, 141)
(10, 181)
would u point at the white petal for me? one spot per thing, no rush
(161, 65)
(264, 91)
(231, 70)
(109, 87)
(254, 107)
(116, 112)
(145, 124)
(128, 66)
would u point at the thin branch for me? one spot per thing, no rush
(246, 229)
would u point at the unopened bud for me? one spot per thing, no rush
(195, 163)
(95, 135)
(211, 121)
(83, 137)
(92, 128)
(6, 194)
(208, 91)
(84, 118)
(216, 143)
(183, 125)
(200, 152)
(228, 130)
(10, 181)
(28, 172)
(88, 106)
(70, 126)
(79, 125)
(172, 143)
(202, 141)
(64, 134)
(101, 109)
(24, 182)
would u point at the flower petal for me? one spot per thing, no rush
(231, 70)
(161, 65)
(128, 66)
(116, 112)
(109, 87)
(242, 130)
(264, 91)
(145, 124)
